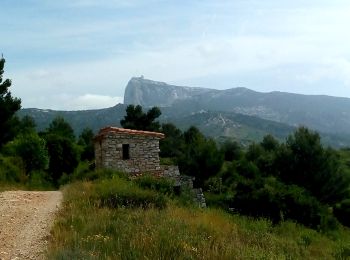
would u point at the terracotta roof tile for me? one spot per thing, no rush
(109, 129)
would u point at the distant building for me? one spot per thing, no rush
(131, 151)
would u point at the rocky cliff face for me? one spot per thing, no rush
(322, 113)
(144, 92)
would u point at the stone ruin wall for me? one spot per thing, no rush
(143, 151)
(172, 172)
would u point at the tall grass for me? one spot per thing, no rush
(87, 230)
(11, 186)
(34, 182)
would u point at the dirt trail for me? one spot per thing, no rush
(25, 221)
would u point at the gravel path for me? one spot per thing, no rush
(25, 221)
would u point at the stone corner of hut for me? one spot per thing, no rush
(131, 151)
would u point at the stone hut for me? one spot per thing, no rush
(136, 152)
(131, 151)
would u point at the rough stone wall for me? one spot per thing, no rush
(172, 172)
(185, 182)
(144, 157)
(143, 151)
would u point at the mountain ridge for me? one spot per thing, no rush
(249, 115)
(321, 112)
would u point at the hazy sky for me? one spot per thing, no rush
(80, 54)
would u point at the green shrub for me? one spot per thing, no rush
(162, 185)
(214, 185)
(299, 205)
(343, 252)
(12, 169)
(222, 200)
(81, 171)
(31, 149)
(270, 198)
(85, 173)
(39, 180)
(186, 197)
(116, 192)
(342, 212)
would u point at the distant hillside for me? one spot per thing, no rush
(219, 125)
(226, 125)
(214, 124)
(238, 113)
(94, 119)
(323, 113)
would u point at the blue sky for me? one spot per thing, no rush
(80, 54)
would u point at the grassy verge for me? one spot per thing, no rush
(89, 229)
(7, 186)
(17, 180)
(31, 185)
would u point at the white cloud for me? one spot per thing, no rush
(209, 57)
(90, 101)
(335, 69)
(70, 102)
(307, 44)
(104, 3)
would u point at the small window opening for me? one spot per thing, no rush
(126, 151)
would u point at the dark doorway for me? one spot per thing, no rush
(126, 152)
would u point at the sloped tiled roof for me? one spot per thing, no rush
(109, 129)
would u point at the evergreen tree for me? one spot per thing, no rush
(31, 149)
(8, 107)
(172, 144)
(86, 141)
(200, 158)
(305, 162)
(60, 127)
(63, 150)
(231, 150)
(269, 143)
(136, 119)
(63, 155)
(24, 125)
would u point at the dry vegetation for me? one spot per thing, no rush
(87, 230)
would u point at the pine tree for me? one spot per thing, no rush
(8, 107)
(136, 119)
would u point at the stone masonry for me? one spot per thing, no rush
(131, 151)
(137, 152)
